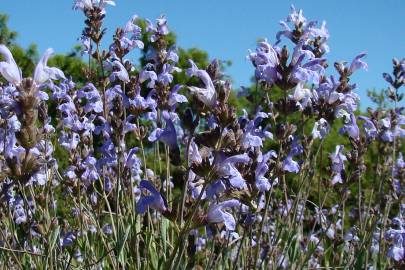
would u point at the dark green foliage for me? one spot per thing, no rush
(7, 37)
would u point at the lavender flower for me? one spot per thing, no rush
(289, 164)
(266, 61)
(226, 161)
(148, 74)
(309, 72)
(154, 200)
(121, 73)
(396, 251)
(90, 4)
(175, 98)
(92, 97)
(206, 95)
(107, 229)
(90, 173)
(369, 127)
(321, 129)
(302, 96)
(226, 168)
(68, 239)
(217, 214)
(337, 160)
(351, 128)
(165, 77)
(357, 63)
(161, 28)
(166, 135)
(253, 134)
(263, 183)
(19, 213)
(130, 37)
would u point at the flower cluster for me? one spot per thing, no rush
(136, 167)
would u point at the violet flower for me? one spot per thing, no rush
(8, 135)
(262, 183)
(155, 200)
(90, 173)
(19, 213)
(107, 229)
(321, 129)
(309, 72)
(68, 239)
(396, 251)
(194, 154)
(226, 168)
(296, 18)
(337, 160)
(215, 189)
(148, 74)
(161, 28)
(130, 37)
(289, 164)
(167, 135)
(90, 4)
(357, 63)
(217, 214)
(120, 72)
(266, 62)
(351, 128)
(327, 91)
(206, 95)
(254, 135)
(175, 98)
(305, 31)
(92, 97)
(369, 127)
(133, 163)
(302, 96)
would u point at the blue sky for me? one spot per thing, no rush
(228, 28)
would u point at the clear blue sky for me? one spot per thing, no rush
(228, 28)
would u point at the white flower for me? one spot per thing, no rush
(302, 95)
(89, 4)
(43, 73)
(206, 95)
(9, 69)
(321, 129)
(12, 73)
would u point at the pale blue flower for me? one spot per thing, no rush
(206, 95)
(351, 128)
(369, 127)
(146, 75)
(321, 129)
(167, 135)
(217, 214)
(357, 63)
(337, 164)
(262, 183)
(155, 200)
(226, 168)
(44, 73)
